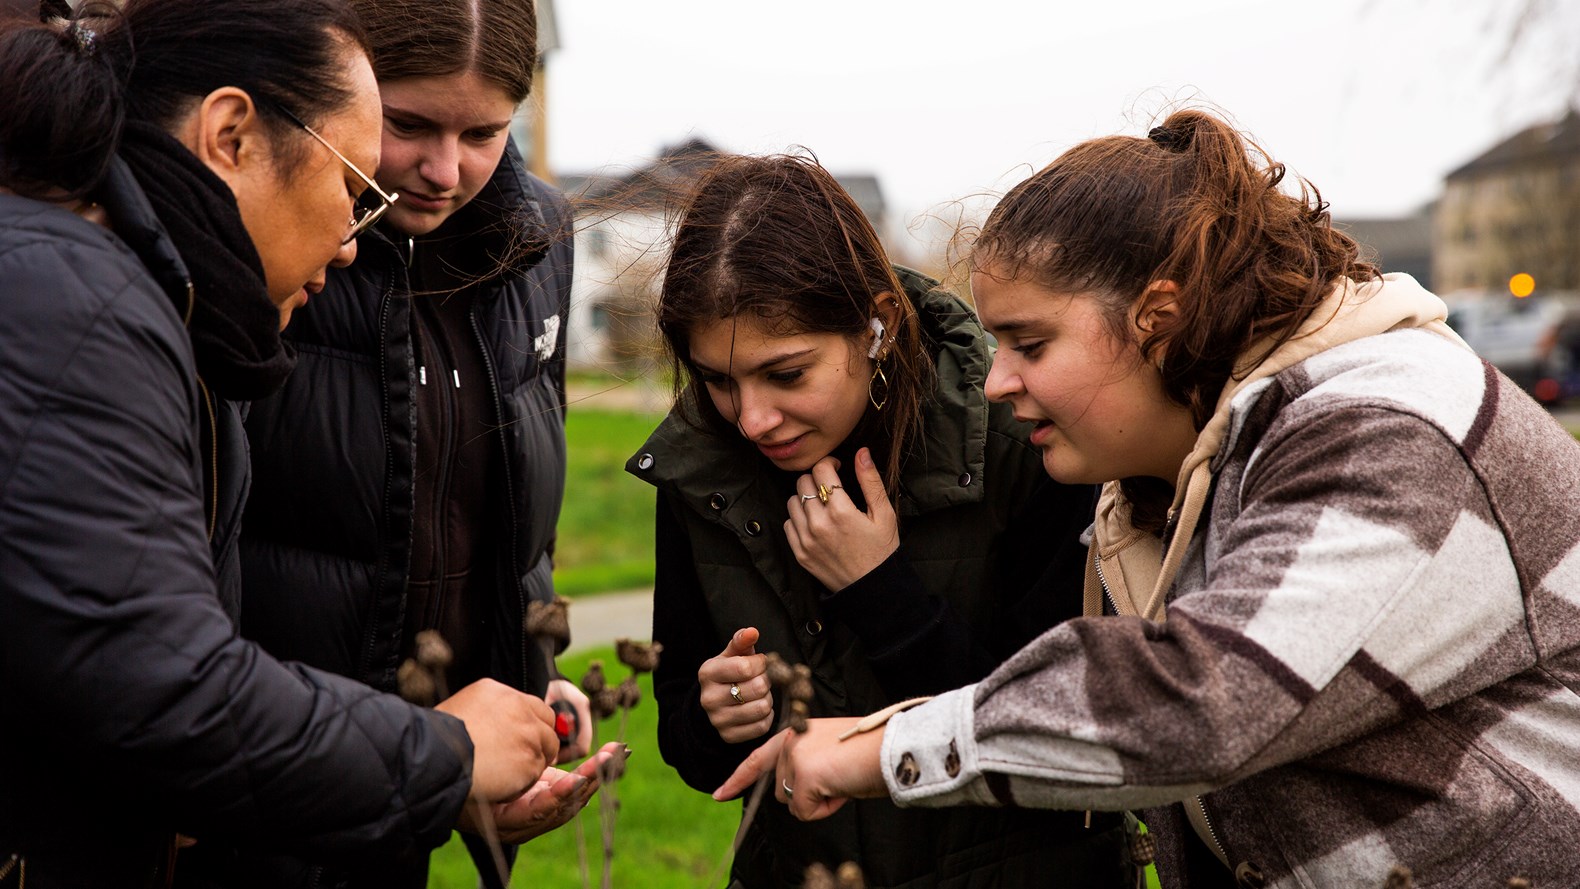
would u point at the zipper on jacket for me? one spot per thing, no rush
(213, 459)
(370, 643)
(510, 501)
(1108, 595)
(1212, 832)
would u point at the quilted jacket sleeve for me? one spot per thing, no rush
(119, 673)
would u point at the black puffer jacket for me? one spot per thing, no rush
(124, 689)
(327, 537)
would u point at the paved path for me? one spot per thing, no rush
(602, 618)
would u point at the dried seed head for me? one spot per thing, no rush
(639, 656)
(780, 673)
(628, 694)
(801, 686)
(798, 717)
(850, 876)
(817, 877)
(603, 703)
(432, 651)
(549, 620)
(613, 770)
(593, 681)
(415, 683)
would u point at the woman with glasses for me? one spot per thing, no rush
(163, 210)
(409, 474)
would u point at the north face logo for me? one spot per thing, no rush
(545, 343)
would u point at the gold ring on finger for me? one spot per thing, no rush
(735, 692)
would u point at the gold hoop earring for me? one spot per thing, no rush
(877, 378)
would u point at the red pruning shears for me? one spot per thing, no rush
(566, 725)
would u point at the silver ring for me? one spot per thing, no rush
(786, 786)
(809, 497)
(735, 692)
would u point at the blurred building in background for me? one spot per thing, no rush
(1513, 209)
(623, 222)
(1396, 244)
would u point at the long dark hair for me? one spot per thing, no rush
(68, 85)
(778, 239)
(1196, 203)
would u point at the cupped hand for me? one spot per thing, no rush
(822, 771)
(512, 735)
(555, 799)
(740, 667)
(566, 690)
(836, 542)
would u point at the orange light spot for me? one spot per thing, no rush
(1522, 285)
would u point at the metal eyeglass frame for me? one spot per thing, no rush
(359, 224)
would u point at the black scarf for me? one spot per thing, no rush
(235, 327)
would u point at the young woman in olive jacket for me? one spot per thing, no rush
(813, 372)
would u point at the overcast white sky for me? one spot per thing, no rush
(1373, 100)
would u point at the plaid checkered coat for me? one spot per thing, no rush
(1370, 653)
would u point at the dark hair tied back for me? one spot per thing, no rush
(1169, 139)
(82, 38)
(68, 82)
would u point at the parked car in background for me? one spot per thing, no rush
(1535, 340)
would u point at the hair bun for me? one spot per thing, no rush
(1169, 138)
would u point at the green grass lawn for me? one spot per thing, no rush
(605, 536)
(668, 836)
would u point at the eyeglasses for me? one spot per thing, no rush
(362, 218)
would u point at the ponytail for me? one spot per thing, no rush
(61, 104)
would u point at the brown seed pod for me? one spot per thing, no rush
(801, 686)
(1399, 878)
(780, 674)
(641, 657)
(798, 716)
(603, 703)
(628, 694)
(415, 683)
(817, 877)
(432, 651)
(851, 877)
(549, 620)
(613, 770)
(593, 680)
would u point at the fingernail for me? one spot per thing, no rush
(865, 456)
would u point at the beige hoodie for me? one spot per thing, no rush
(1131, 565)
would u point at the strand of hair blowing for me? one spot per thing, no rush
(43, 71)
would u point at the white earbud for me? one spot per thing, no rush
(878, 331)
